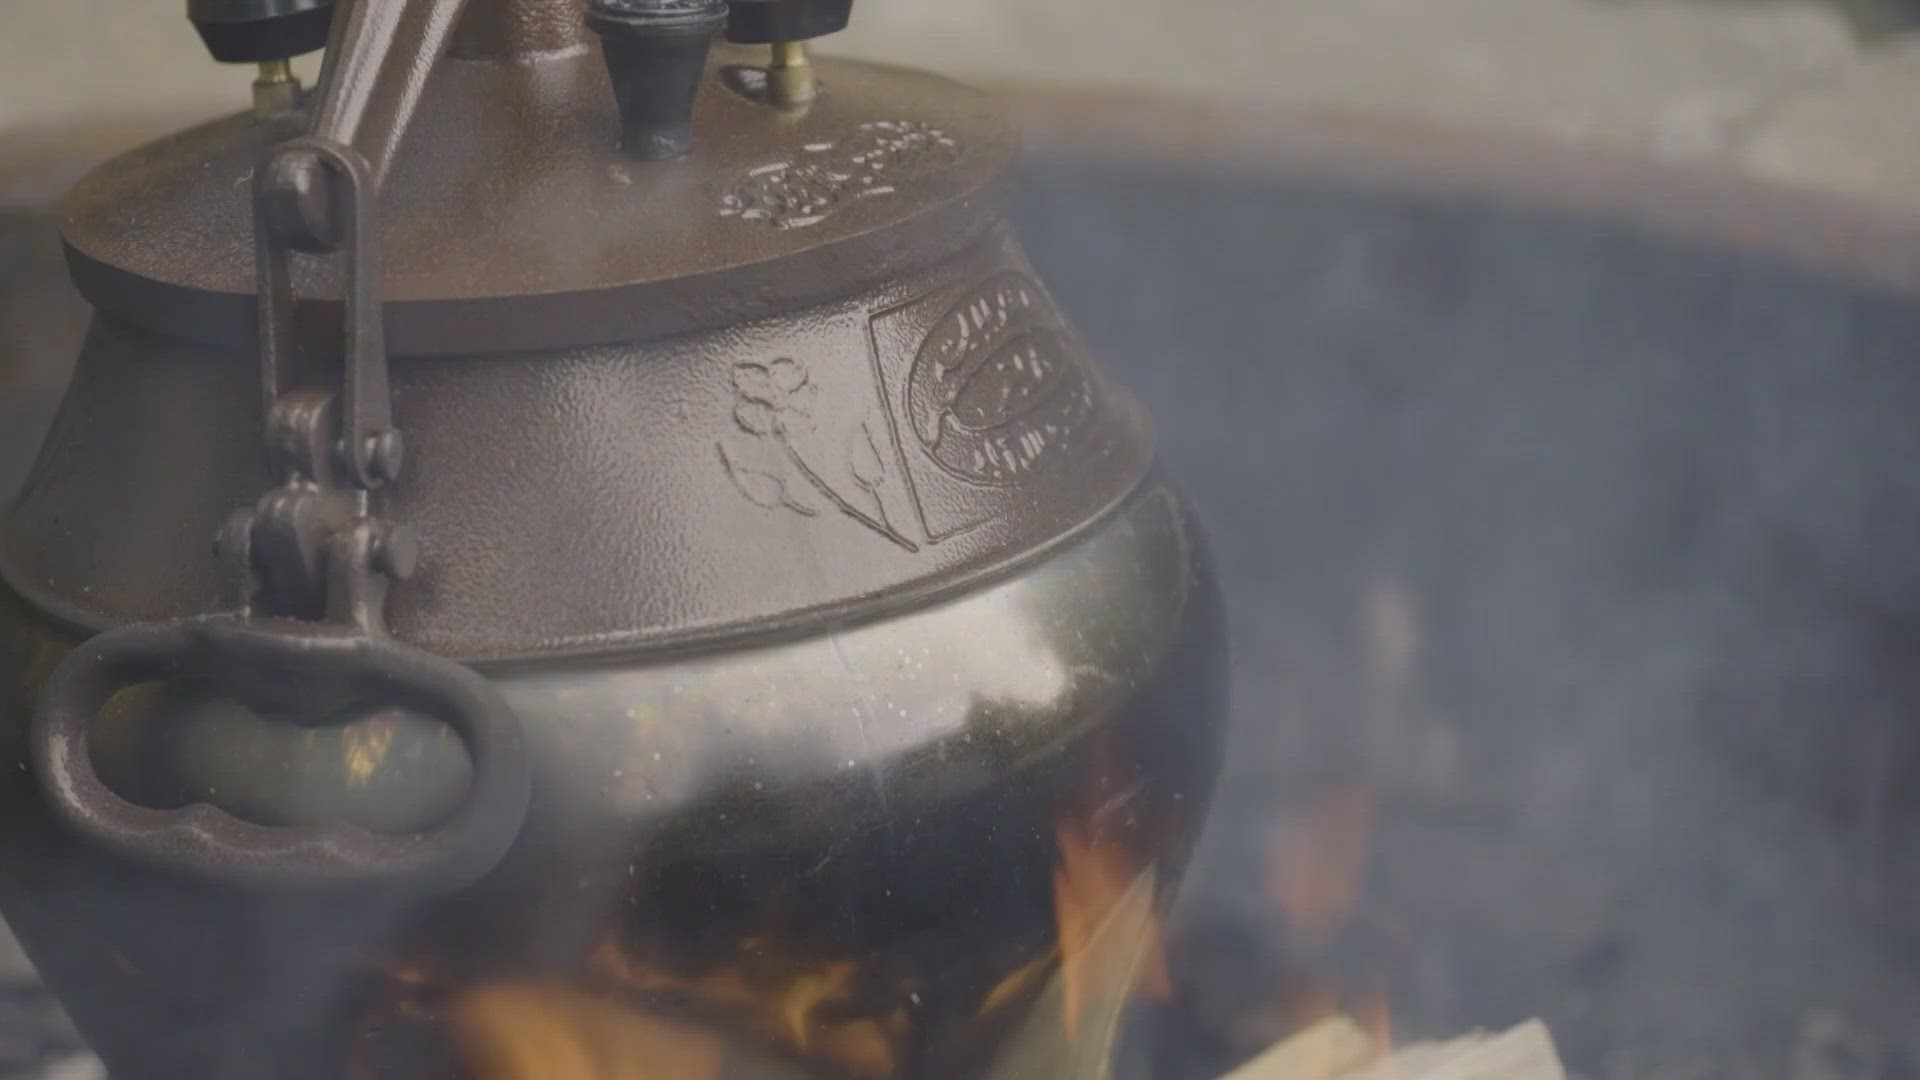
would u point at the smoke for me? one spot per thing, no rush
(1591, 553)
(1641, 515)
(41, 322)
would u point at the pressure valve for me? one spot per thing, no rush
(268, 33)
(656, 53)
(786, 26)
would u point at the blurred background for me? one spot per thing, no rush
(1545, 372)
(1806, 92)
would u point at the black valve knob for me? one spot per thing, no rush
(254, 31)
(788, 25)
(656, 52)
(765, 22)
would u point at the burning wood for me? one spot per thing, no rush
(552, 1032)
(1339, 1049)
(638, 1003)
(1089, 885)
(1331, 1048)
(1108, 966)
(815, 1007)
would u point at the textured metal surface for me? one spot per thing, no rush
(513, 220)
(893, 782)
(519, 29)
(379, 60)
(848, 458)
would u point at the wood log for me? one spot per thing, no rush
(1337, 1049)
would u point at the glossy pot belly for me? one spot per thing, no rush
(847, 849)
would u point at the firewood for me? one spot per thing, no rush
(1328, 1050)
(1337, 1049)
(1524, 1053)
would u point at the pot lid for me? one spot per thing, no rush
(511, 219)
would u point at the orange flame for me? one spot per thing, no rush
(1316, 862)
(1370, 1010)
(1315, 872)
(550, 1032)
(367, 744)
(794, 996)
(1018, 982)
(1089, 881)
(787, 998)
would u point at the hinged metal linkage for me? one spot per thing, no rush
(313, 547)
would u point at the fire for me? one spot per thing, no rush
(809, 1005)
(1371, 1011)
(611, 1024)
(1316, 861)
(639, 1004)
(555, 1032)
(1088, 884)
(1314, 873)
(367, 744)
(1018, 982)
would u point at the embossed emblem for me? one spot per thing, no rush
(806, 462)
(879, 159)
(972, 398)
(996, 389)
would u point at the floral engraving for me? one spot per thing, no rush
(774, 406)
(881, 157)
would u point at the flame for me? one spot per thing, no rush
(1089, 881)
(864, 1047)
(1315, 870)
(1316, 862)
(411, 973)
(807, 1004)
(642, 1005)
(367, 744)
(556, 1032)
(1018, 982)
(1316, 858)
(1375, 1017)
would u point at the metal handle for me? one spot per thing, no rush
(315, 551)
(378, 60)
(276, 666)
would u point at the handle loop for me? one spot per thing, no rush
(275, 665)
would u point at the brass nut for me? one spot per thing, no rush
(791, 81)
(275, 92)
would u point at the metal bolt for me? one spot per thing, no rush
(396, 552)
(386, 452)
(275, 91)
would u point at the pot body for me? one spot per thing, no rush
(848, 679)
(886, 799)
(860, 659)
